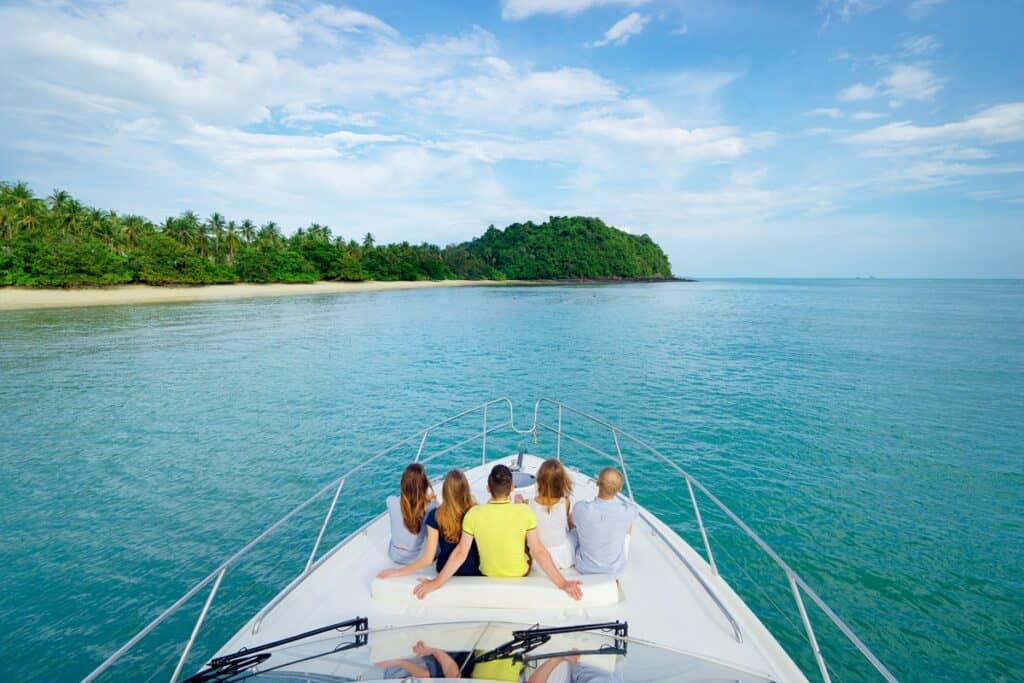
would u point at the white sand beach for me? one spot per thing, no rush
(19, 298)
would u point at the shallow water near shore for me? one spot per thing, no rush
(871, 431)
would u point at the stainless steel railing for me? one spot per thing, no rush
(797, 584)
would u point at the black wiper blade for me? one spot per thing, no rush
(526, 640)
(226, 667)
(226, 670)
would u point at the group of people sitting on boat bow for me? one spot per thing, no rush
(504, 536)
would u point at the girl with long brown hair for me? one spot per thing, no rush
(551, 507)
(444, 530)
(407, 513)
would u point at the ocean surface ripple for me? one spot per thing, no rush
(871, 431)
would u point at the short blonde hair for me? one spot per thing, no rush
(609, 482)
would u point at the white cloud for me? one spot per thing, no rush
(1003, 123)
(903, 83)
(301, 115)
(909, 83)
(515, 10)
(867, 115)
(844, 10)
(829, 112)
(621, 31)
(351, 139)
(349, 20)
(681, 30)
(924, 157)
(925, 175)
(711, 143)
(921, 8)
(856, 93)
(503, 94)
(919, 45)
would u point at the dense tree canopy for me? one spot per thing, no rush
(569, 247)
(59, 242)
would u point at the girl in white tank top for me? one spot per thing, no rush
(551, 507)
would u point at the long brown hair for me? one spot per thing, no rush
(553, 483)
(457, 500)
(415, 497)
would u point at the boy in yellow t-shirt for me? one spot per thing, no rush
(502, 530)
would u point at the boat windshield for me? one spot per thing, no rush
(496, 651)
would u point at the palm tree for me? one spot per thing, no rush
(368, 241)
(231, 241)
(214, 230)
(248, 231)
(21, 208)
(132, 228)
(189, 231)
(269, 234)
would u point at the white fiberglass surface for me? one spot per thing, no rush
(660, 598)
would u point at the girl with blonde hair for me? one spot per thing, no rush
(551, 507)
(444, 530)
(407, 513)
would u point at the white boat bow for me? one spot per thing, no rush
(685, 622)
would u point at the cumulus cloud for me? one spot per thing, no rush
(348, 20)
(856, 93)
(867, 115)
(999, 124)
(919, 45)
(947, 153)
(711, 143)
(622, 30)
(902, 83)
(910, 83)
(828, 112)
(844, 10)
(515, 10)
(919, 9)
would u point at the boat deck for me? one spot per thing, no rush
(661, 599)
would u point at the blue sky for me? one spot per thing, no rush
(832, 138)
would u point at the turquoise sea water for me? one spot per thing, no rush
(871, 431)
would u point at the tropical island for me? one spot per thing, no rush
(59, 242)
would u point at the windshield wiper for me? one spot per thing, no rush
(227, 667)
(525, 641)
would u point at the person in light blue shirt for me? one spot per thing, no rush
(578, 673)
(603, 526)
(407, 513)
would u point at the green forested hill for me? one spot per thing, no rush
(59, 242)
(569, 247)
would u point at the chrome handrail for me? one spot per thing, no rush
(218, 573)
(797, 584)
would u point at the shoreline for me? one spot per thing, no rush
(25, 298)
(29, 298)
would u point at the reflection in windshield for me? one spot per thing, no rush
(494, 651)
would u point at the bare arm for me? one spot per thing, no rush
(449, 667)
(568, 514)
(455, 560)
(543, 558)
(425, 559)
(414, 669)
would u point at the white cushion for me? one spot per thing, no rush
(529, 592)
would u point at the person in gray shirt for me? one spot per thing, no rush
(602, 526)
(578, 673)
